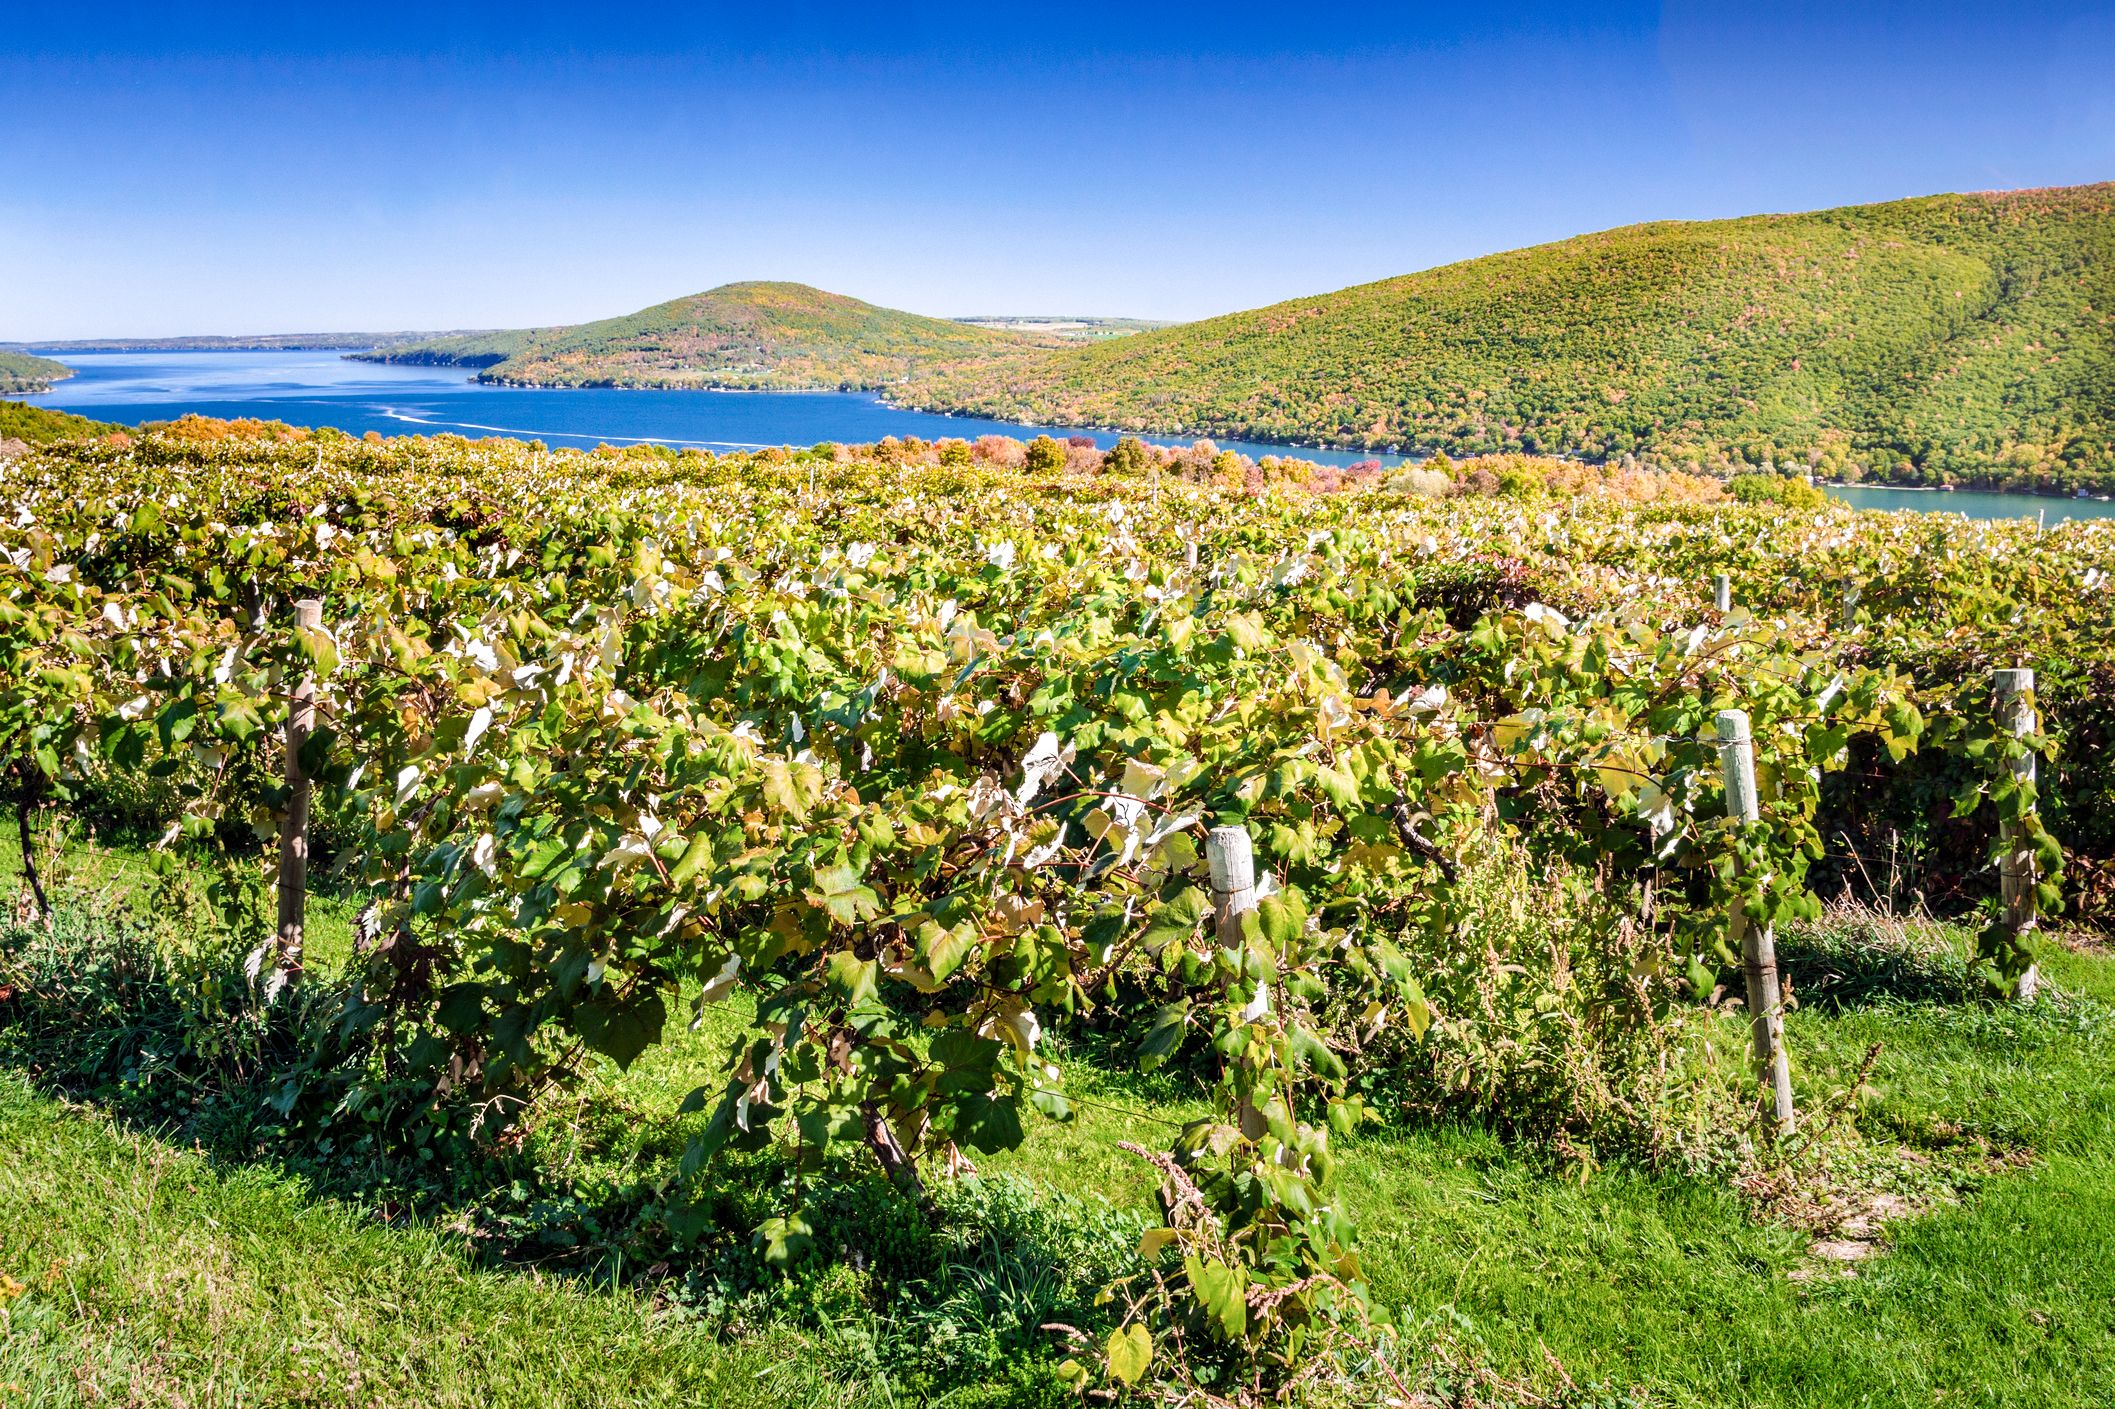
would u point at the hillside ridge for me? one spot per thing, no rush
(24, 374)
(1934, 338)
(749, 335)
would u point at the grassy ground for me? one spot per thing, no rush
(152, 1277)
(156, 1276)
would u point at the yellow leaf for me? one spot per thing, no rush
(1130, 1351)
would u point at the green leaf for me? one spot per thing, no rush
(849, 978)
(177, 720)
(1339, 786)
(835, 880)
(837, 889)
(1417, 1012)
(941, 948)
(988, 1124)
(1164, 1038)
(621, 1030)
(1223, 1292)
(782, 791)
(968, 1063)
(1284, 919)
(461, 1007)
(1175, 919)
(697, 854)
(1315, 1053)
(1130, 1350)
(782, 1242)
(316, 647)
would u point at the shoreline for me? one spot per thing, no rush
(881, 396)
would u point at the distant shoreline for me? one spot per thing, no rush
(882, 397)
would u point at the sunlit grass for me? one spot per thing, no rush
(155, 1276)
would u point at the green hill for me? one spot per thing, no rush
(460, 349)
(37, 425)
(1963, 337)
(22, 374)
(751, 336)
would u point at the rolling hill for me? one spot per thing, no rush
(22, 374)
(749, 336)
(1960, 337)
(23, 425)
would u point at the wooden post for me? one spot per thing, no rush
(293, 826)
(1232, 858)
(2014, 690)
(1233, 861)
(1722, 592)
(1758, 947)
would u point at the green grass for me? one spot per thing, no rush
(158, 1276)
(99, 875)
(154, 1277)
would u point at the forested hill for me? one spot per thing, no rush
(1959, 338)
(20, 373)
(23, 425)
(748, 335)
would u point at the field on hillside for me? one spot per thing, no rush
(780, 921)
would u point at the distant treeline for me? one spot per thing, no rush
(261, 342)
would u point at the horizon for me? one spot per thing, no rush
(472, 171)
(992, 316)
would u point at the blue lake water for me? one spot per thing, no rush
(325, 389)
(1975, 503)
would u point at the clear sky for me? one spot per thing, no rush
(179, 168)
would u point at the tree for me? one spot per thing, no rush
(1045, 456)
(1127, 457)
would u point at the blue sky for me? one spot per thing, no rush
(179, 168)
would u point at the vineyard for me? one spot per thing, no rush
(905, 777)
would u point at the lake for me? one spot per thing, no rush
(1975, 503)
(326, 389)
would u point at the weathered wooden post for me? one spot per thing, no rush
(2017, 873)
(1758, 947)
(1232, 858)
(293, 826)
(1722, 592)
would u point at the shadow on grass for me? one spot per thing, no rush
(1852, 961)
(167, 1041)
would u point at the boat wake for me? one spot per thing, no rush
(411, 417)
